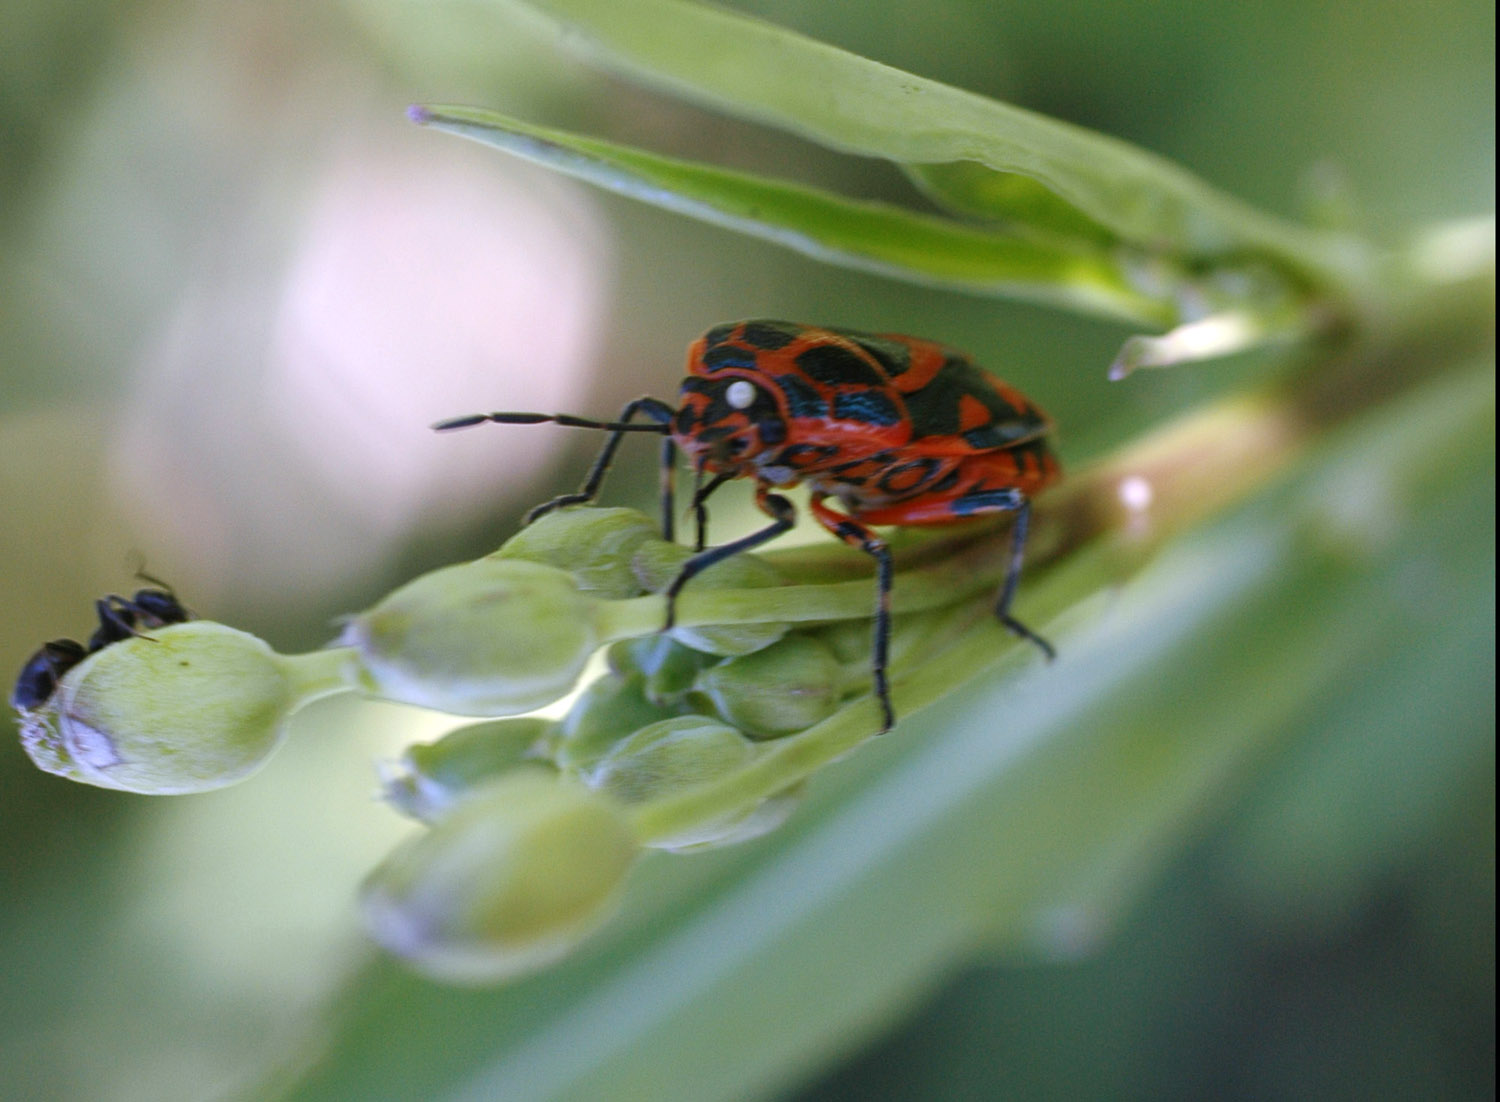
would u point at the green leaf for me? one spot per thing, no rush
(762, 72)
(871, 236)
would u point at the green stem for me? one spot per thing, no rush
(316, 674)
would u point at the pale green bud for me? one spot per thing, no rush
(431, 777)
(192, 707)
(493, 637)
(509, 881)
(609, 710)
(657, 563)
(667, 666)
(594, 545)
(787, 687)
(676, 755)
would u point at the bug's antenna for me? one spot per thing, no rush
(557, 418)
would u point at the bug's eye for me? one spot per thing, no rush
(740, 394)
(737, 444)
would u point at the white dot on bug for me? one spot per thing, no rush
(740, 394)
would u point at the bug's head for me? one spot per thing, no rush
(725, 423)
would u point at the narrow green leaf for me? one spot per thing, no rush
(762, 72)
(969, 188)
(871, 236)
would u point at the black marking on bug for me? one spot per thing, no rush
(944, 484)
(868, 407)
(801, 399)
(772, 432)
(892, 355)
(728, 355)
(719, 334)
(936, 408)
(769, 335)
(906, 478)
(802, 456)
(833, 365)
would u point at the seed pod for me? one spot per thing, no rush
(787, 687)
(593, 545)
(431, 777)
(668, 667)
(494, 637)
(679, 754)
(510, 880)
(193, 707)
(610, 710)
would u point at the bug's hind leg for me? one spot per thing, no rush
(1007, 594)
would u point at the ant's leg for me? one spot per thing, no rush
(117, 621)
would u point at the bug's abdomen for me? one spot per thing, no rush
(942, 490)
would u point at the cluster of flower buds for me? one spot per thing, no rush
(532, 823)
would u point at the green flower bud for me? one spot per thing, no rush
(431, 777)
(850, 640)
(509, 881)
(493, 637)
(667, 666)
(611, 709)
(787, 687)
(673, 756)
(192, 707)
(594, 545)
(657, 562)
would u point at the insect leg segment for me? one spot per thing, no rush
(660, 415)
(784, 516)
(117, 621)
(1013, 576)
(863, 538)
(701, 494)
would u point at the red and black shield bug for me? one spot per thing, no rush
(119, 618)
(898, 430)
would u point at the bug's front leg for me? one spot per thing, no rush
(784, 516)
(864, 538)
(658, 412)
(661, 414)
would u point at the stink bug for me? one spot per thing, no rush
(898, 430)
(119, 618)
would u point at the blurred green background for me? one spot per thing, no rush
(236, 285)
